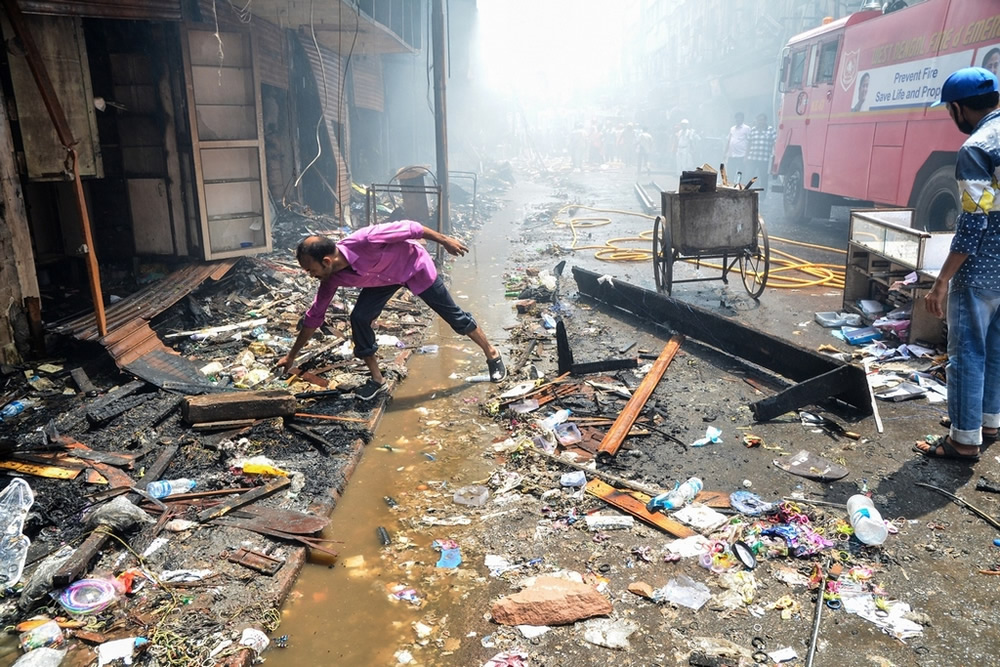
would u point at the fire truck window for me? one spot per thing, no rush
(797, 69)
(827, 62)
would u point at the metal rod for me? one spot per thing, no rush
(818, 616)
(972, 508)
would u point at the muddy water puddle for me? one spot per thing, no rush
(428, 445)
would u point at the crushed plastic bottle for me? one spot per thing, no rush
(15, 408)
(553, 420)
(677, 497)
(866, 520)
(428, 349)
(15, 501)
(169, 487)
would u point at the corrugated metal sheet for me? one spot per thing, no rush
(145, 304)
(366, 76)
(329, 63)
(271, 53)
(163, 10)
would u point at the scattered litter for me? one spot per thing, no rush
(683, 591)
(597, 522)
(713, 436)
(119, 649)
(783, 654)
(471, 495)
(608, 632)
(701, 517)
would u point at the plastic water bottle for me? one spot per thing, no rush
(866, 520)
(169, 487)
(428, 349)
(553, 420)
(677, 497)
(15, 408)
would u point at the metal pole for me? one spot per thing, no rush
(440, 110)
(819, 614)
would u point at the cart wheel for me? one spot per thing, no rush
(663, 256)
(756, 262)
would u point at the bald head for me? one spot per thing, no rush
(316, 247)
(320, 257)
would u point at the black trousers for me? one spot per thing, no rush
(372, 300)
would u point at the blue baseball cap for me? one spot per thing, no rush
(967, 82)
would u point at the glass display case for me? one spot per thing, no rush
(890, 263)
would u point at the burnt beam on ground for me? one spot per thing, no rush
(238, 405)
(733, 338)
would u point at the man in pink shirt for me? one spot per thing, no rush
(380, 259)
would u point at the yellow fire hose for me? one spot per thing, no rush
(617, 250)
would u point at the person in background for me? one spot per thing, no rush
(970, 276)
(737, 143)
(643, 147)
(380, 259)
(685, 141)
(628, 144)
(760, 153)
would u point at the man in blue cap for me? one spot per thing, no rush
(973, 270)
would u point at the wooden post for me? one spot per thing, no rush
(18, 282)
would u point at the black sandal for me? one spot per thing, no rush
(498, 372)
(948, 450)
(988, 438)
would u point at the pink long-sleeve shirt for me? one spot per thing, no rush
(379, 255)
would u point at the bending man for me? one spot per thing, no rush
(380, 259)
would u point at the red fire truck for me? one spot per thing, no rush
(855, 120)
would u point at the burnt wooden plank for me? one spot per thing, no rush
(253, 495)
(238, 405)
(807, 392)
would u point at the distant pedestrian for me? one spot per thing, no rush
(760, 153)
(737, 144)
(643, 146)
(970, 275)
(685, 140)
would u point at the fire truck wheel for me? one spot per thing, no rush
(936, 201)
(794, 195)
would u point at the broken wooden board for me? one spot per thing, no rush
(634, 503)
(237, 405)
(808, 392)
(255, 494)
(623, 424)
(41, 469)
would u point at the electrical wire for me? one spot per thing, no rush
(619, 250)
